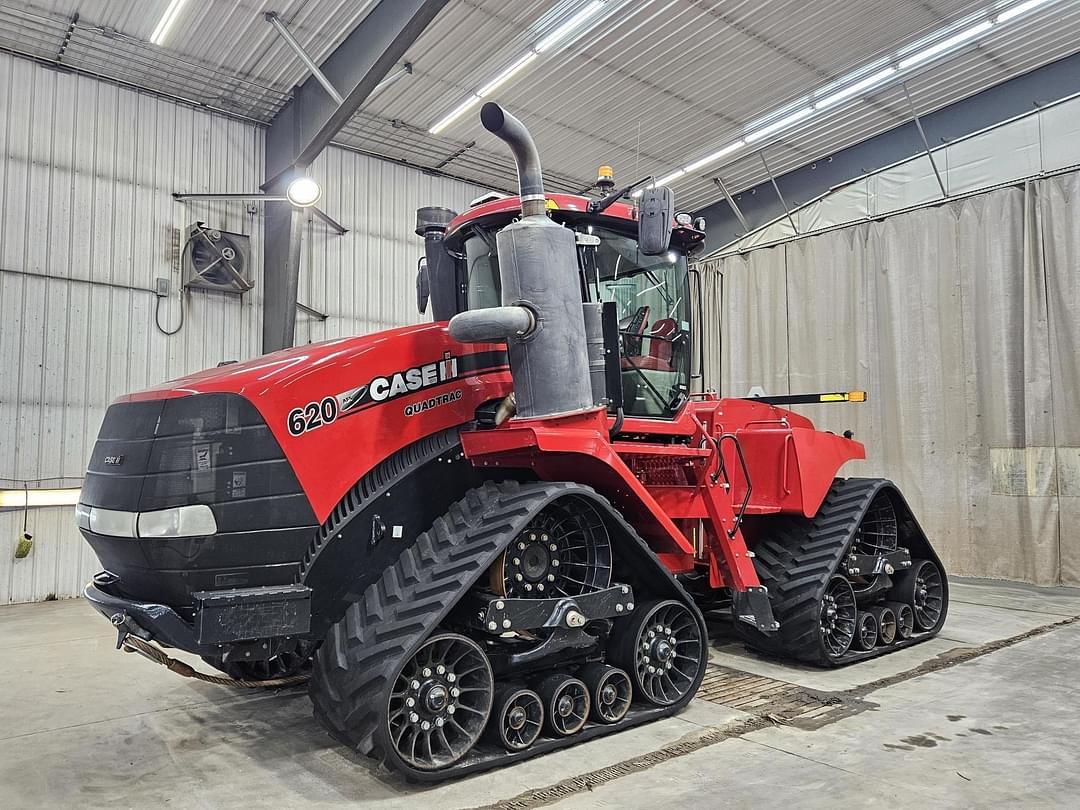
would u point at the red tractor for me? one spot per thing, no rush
(494, 535)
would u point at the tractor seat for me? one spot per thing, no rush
(660, 348)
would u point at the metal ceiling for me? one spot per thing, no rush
(655, 84)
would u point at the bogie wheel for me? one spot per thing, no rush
(838, 617)
(517, 716)
(922, 587)
(905, 619)
(440, 703)
(662, 647)
(610, 690)
(866, 631)
(564, 551)
(886, 620)
(567, 701)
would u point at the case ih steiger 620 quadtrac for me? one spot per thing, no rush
(494, 535)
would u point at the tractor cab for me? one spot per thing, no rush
(650, 291)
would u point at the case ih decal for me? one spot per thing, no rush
(386, 388)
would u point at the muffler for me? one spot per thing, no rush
(541, 318)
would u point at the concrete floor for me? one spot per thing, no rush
(84, 726)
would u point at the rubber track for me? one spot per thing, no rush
(364, 651)
(796, 561)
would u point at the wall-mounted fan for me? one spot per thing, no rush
(217, 260)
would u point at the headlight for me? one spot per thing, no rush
(113, 522)
(196, 520)
(180, 521)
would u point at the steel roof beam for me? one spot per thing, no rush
(307, 123)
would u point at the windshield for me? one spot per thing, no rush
(652, 296)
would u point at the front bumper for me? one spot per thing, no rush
(221, 618)
(147, 620)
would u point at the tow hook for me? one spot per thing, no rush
(119, 621)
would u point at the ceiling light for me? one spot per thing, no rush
(946, 44)
(506, 74)
(1016, 11)
(776, 126)
(675, 175)
(457, 113)
(564, 30)
(900, 61)
(303, 192)
(858, 87)
(166, 21)
(719, 153)
(22, 498)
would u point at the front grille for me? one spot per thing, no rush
(213, 449)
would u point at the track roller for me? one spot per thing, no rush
(663, 649)
(886, 622)
(905, 619)
(517, 716)
(610, 691)
(567, 701)
(921, 586)
(866, 631)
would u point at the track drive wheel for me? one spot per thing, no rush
(439, 704)
(663, 649)
(922, 587)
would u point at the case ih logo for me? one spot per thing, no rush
(375, 392)
(400, 383)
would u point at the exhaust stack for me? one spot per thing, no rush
(541, 318)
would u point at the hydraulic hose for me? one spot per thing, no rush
(503, 125)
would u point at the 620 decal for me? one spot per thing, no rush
(312, 415)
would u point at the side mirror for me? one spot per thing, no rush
(655, 214)
(423, 291)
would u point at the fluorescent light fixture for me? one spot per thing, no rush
(467, 105)
(946, 44)
(1016, 11)
(829, 96)
(22, 498)
(776, 126)
(506, 74)
(715, 156)
(675, 175)
(568, 27)
(853, 89)
(166, 21)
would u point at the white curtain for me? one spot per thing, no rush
(960, 320)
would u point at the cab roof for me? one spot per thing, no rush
(555, 202)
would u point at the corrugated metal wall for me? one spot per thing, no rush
(366, 280)
(86, 217)
(86, 173)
